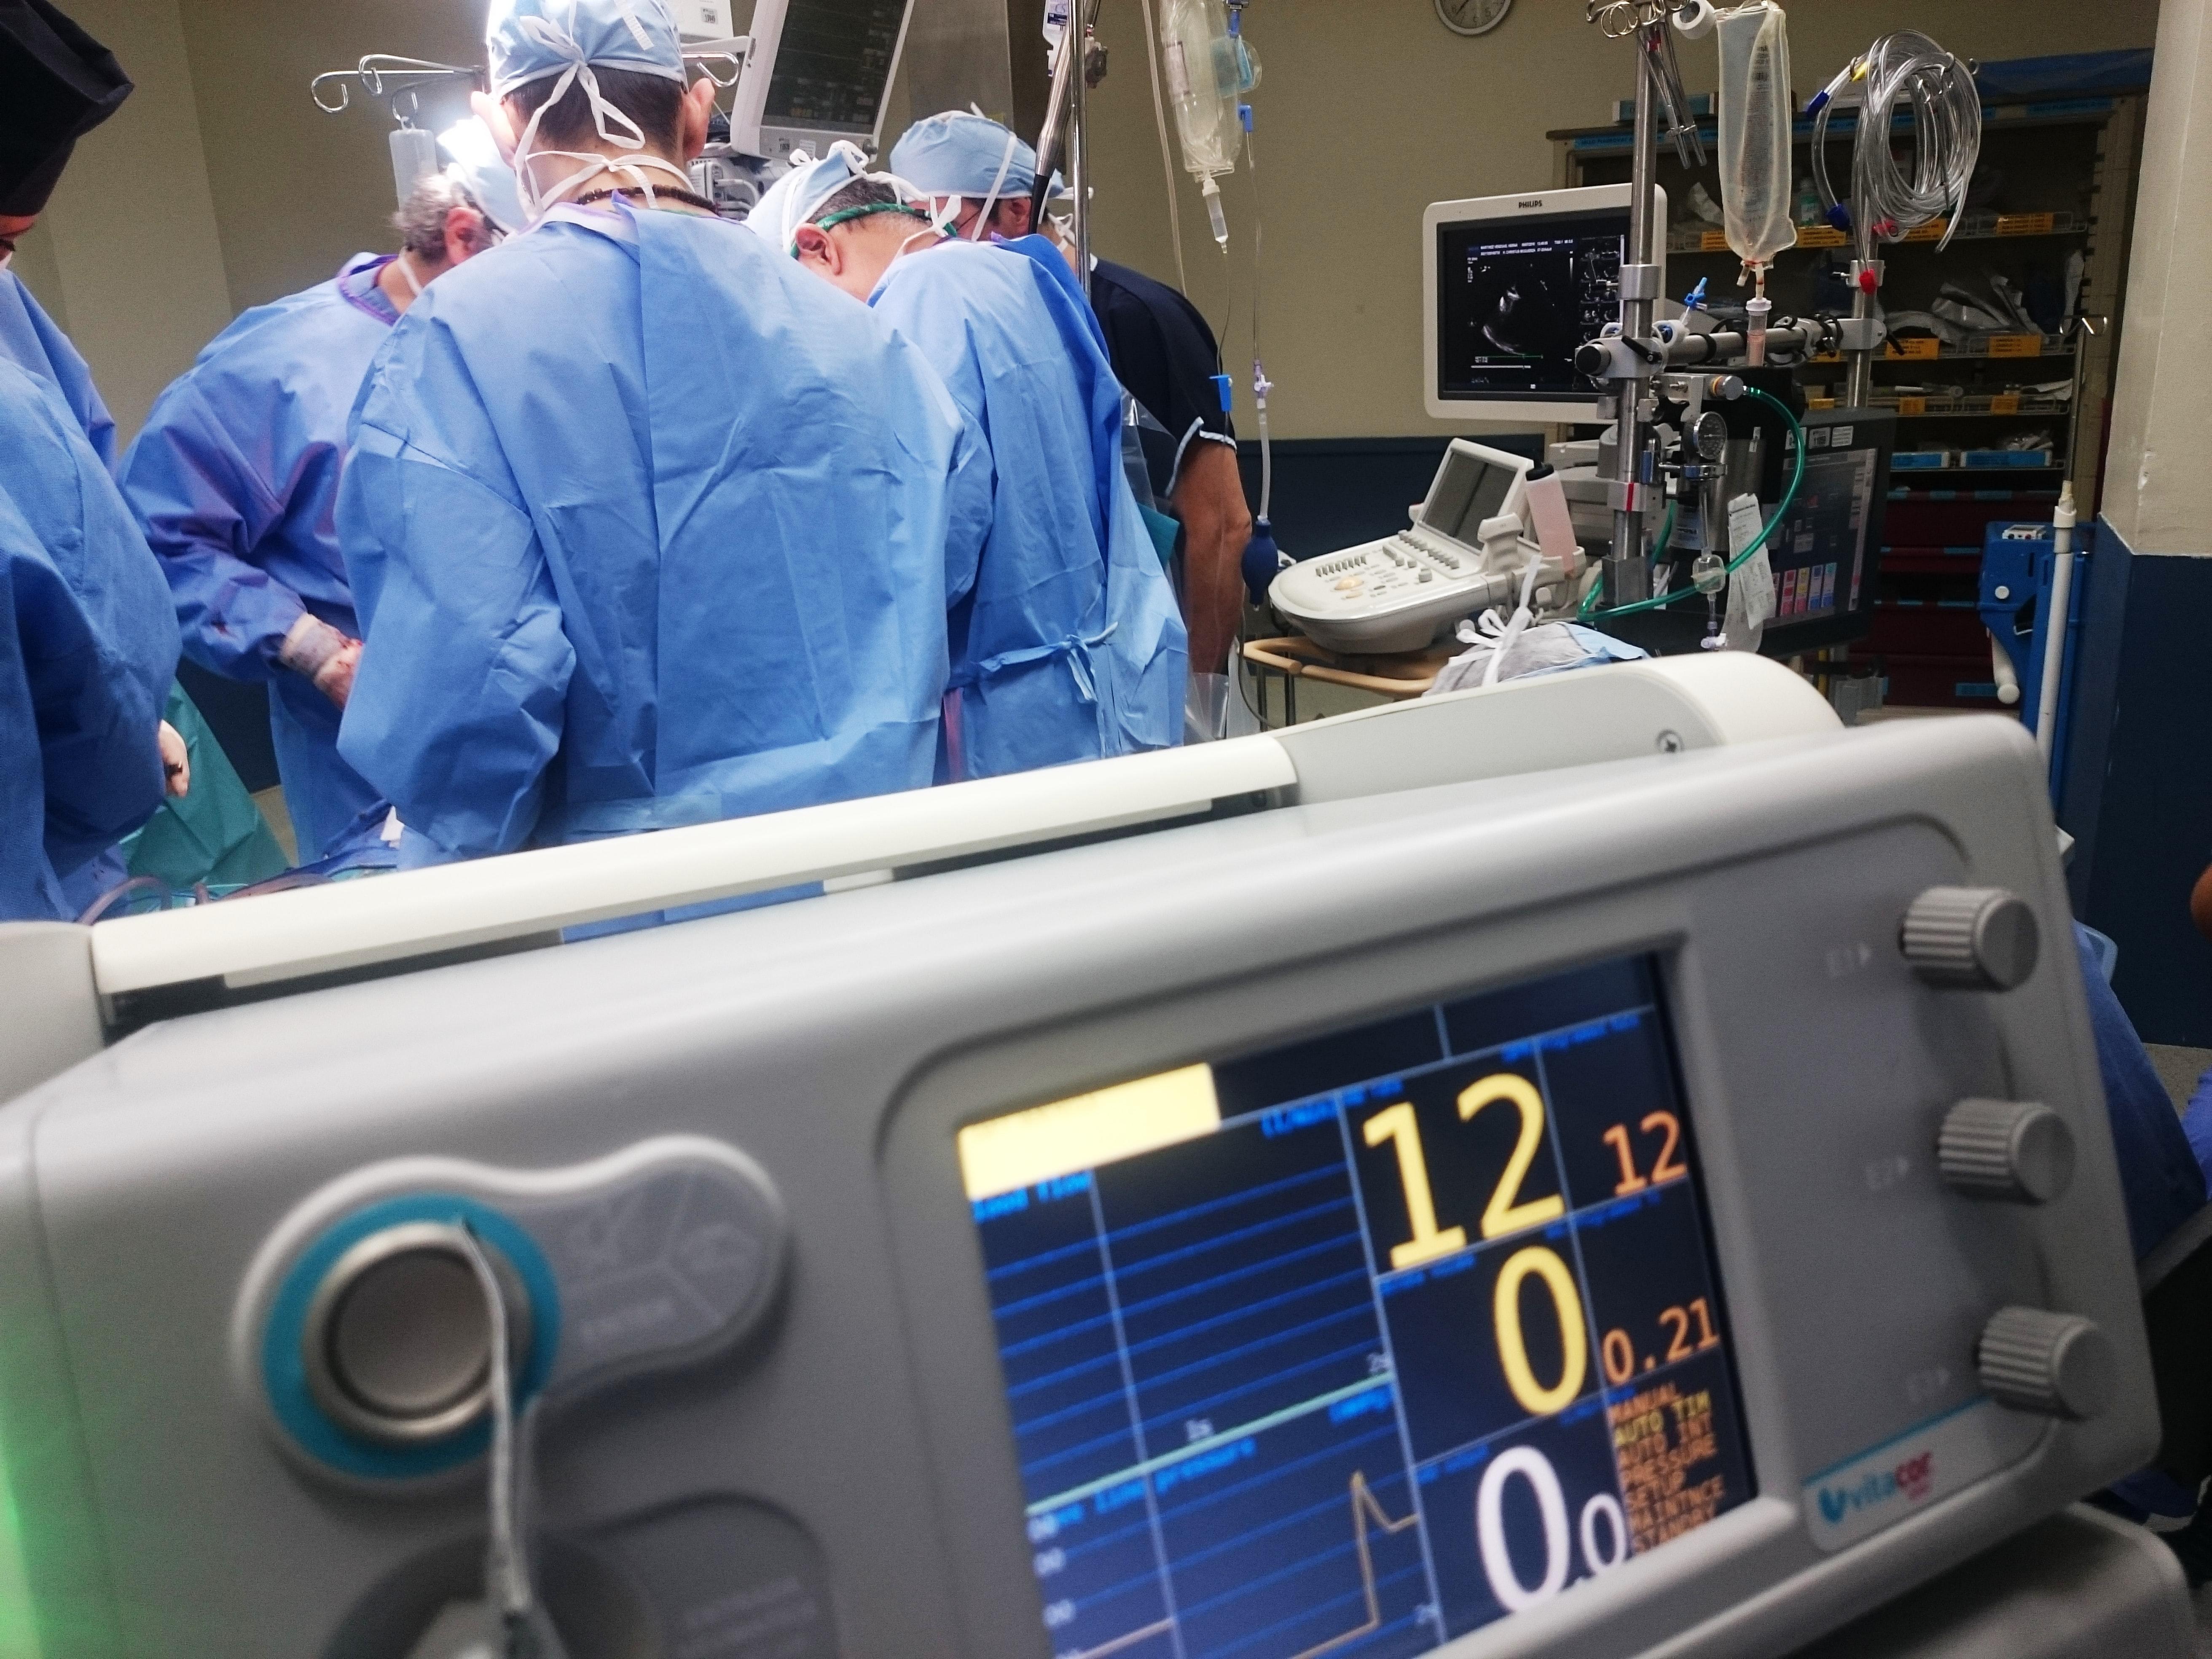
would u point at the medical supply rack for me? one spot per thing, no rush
(2069, 162)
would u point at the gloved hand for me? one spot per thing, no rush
(176, 761)
(324, 654)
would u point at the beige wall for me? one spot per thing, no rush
(127, 251)
(1370, 110)
(2158, 493)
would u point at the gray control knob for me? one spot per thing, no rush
(2058, 1365)
(1981, 938)
(2015, 1149)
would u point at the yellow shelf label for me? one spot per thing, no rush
(2027, 224)
(2015, 345)
(1914, 349)
(2005, 403)
(1931, 232)
(1713, 241)
(1821, 236)
(1913, 405)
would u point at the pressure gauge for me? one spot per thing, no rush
(1711, 436)
(1472, 17)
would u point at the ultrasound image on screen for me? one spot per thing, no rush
(834, 64)
(1516, 298)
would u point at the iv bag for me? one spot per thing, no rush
(1209, 71)
(1755, 130)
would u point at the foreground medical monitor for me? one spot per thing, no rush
(1512, 285)
(1377, 1338)
(1613, 1211)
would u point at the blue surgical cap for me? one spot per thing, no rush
(473, 162)
(960, 153)
(527, 40)
(797, 197)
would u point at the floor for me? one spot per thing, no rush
(2179, 1069)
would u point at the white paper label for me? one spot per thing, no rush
(1751, 590)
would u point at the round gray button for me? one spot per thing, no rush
(397, 1339)
(1981, 938)
(2056, 1364)
(2015, 1149)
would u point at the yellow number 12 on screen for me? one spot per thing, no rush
(1506, 1212)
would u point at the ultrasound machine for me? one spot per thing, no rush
(1597, 1166)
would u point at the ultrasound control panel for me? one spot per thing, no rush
(1657, 1206)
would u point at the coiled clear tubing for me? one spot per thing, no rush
(1888, 201)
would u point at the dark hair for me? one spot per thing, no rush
(861, 192)
(654, 101)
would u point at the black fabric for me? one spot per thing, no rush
(1164, 356)
(57, 83)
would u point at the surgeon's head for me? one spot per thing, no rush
(853, 239)
(59, 84)
(591, 91)
(441, 225)
(978, 174)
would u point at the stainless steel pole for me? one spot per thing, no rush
(1628, 573)
(1079, 150)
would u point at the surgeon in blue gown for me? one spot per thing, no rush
(87, 641)
(234, 478)
(1066, 641)
(646, 526)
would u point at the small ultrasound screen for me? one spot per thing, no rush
(1354, 1346)
(1516, 297)
(834, 64)
(1470, 490)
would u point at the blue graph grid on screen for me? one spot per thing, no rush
(1425, 1333)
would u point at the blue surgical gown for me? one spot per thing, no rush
(88, 648)
(1067, 642)
(29, 338)
(234, 478)
(648, 528)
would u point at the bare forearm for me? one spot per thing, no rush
(1209, 499)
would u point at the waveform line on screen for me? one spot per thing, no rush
(1364, 1506)
(1120, 1644)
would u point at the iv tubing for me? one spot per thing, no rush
(1781, 512)
(1947, 139)
(1167, 157)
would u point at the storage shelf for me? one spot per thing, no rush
(1978, 227)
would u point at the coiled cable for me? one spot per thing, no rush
(1885, 203)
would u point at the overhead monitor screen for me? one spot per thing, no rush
(1358, 1345)
(1468, 490)
(834, 64)
(1516, 297)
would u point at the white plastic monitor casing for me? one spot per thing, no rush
(1405, 591)
(748, 108)
(1593, 199)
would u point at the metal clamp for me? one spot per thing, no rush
(1643, 282)
(1862, 333)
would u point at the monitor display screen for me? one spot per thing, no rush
(1820, 556)
(1468, 491)
(1360, 1344)
(1515, 299)
(833, 65)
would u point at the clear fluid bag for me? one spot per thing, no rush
(1755, 130)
